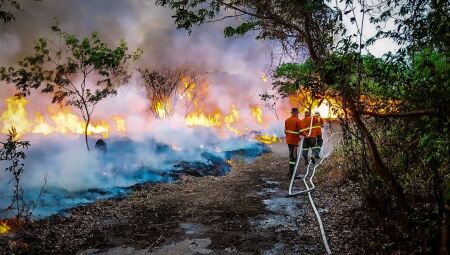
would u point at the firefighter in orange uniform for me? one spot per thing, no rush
(292, 127)
(309, 140)
(317, 129)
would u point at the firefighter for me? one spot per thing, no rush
(318, 124)
(309, 140)
(292, 128)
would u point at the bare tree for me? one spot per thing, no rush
(165, 86)
(161, 86)
(193, 90)
(270, 102)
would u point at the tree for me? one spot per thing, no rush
(77, 72)
(368, 89)
(296, 24)
(301, 83)
(7, 7)
(194, 89)
(165, 86)
(161, 86)
(13, 151)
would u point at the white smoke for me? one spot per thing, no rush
(234, 68)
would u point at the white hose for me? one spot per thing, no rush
(322, 230)
(319, 219)
(308, 188)
(298, 159)
(307, 172)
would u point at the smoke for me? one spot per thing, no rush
(75, 176)
(234, 68)
(234, 65)
(148, 151)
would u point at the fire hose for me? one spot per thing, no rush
(312, 187)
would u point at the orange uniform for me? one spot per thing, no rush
(305, 124)
(317, 126)
(292, 128)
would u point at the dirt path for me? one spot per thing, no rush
(245, 212)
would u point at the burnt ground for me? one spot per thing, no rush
(246, 212)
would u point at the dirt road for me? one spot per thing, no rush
(245, 212)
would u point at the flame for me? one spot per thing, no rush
(257, 113)
(325, 110)
(264, 77)
(303, 99)
(120, 124)
(189, 88)
(267, 139)
(4, 228)
(231, 119)
(15, 115)
(229, 162)
(41, 126)
(199, 118)
(59, 120)
(162, 108)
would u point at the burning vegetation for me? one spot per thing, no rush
(268, 139)
(62, 120)
(57, 119)
(4, 227)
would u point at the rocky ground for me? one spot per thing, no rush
(246, 212)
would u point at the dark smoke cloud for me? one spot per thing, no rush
(141, 24)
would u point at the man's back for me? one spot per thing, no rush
(305, 127)
(317, 125)
(292, 126)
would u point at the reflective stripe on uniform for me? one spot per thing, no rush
(292, 162)
(317, 147)
(292, 132)
(306, 129)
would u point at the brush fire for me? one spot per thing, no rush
(4, 228)
(63, 120)
(56, 120)
(188, 132)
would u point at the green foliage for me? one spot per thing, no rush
(13, 151)
(297, 21)
(241, 29)
(291, 78)
(410, 153)
(190, 13)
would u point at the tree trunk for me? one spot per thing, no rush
(384, 172)
(444, 249)
(309, 44)
(86, 133)
(16, 193)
